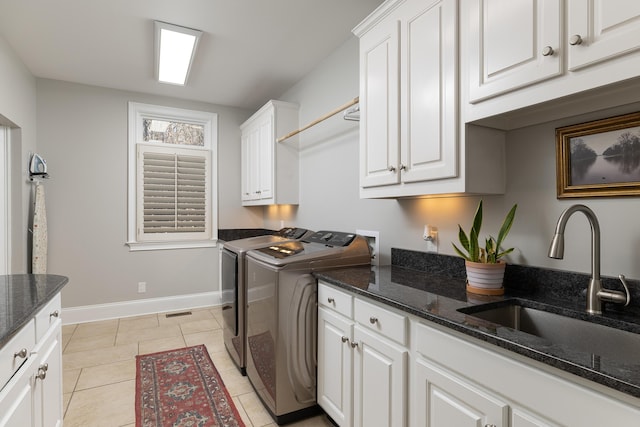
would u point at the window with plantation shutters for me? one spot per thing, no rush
(174, 179)
(174, 191)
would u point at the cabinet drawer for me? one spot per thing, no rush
(24, 339)
(385, 322)
(334, 299)
(47, 315)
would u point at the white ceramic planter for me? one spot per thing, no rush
(485, 279)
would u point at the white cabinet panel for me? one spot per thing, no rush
(48, 384)
(379, 86)
(606, 28)
(16, 400)
(380, 370)
(335, 366)
(428, 112)
(442, 399)
(513, 43)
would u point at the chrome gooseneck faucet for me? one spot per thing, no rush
(596, 294)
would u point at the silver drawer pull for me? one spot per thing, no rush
(373, 320)
(547, 51)
(575, 40)
(42, 374)
(55, 314)
(21, 354)
(330, 300)
(44, 367)
(354, 344)
(345, 339)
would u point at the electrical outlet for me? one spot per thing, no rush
(430, 235)
(142, 287)
(373, 239)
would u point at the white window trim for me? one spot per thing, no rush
(5, 237)
(137, 112)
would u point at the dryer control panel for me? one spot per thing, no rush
(331, 238)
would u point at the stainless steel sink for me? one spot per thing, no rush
(571, 333)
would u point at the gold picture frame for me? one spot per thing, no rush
(599, 158)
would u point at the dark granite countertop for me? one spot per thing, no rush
(437, 297)
(21, 296)
(229, 234)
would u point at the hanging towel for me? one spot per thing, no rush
(39, 252)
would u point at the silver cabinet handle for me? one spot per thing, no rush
(575, 39)
(391, 169)
(403, 167)
(373, 320)
(354, 344)
(42, 373)
(330, 300)
(44, 367)
(21, 354)
(345, 339)
(547, 51)
(55, 314)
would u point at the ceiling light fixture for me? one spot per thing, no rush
(175, 49)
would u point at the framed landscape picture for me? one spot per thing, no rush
(599, 158)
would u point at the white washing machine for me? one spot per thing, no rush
(282, 317)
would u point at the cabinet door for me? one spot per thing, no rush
(248, 172)
(48, 381)
(428, 88)
(379, 92)
(335, 360)
(16, 399)
(264, 160)
(443, 399)
(379, 381)
(606, 28)
(513, 43)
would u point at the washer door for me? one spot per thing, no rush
(301, 348)
(230, 291)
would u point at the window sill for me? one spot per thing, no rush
(159, 246)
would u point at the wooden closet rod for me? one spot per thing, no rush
(320, 119)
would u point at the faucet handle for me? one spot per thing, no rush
(626, 289)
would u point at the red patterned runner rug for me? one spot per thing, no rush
(182, 388)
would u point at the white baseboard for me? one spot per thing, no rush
(92, 313)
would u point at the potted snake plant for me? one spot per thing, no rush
(485, 268)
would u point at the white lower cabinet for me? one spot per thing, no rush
(443, 399)
(47, 387)
(16, 398)
(458, 382)
(362, 368)
(380, 381)
(32, 397)
(335, 365)
(378, 366)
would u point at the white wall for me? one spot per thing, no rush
(329, 187)
(18, 111)
(83, 136)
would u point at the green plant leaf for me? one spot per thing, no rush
(464, 240)
(506, 226)
(477, 220)
(474, 248)
(462, 254)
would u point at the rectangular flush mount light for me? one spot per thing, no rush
(175, 50)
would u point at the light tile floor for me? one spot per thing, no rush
(99, 367)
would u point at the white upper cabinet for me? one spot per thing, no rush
(379, 96)
(412, 142)
(515, 43)
(570, 55)
(269, 172)
(599, 30)
(408, 94)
